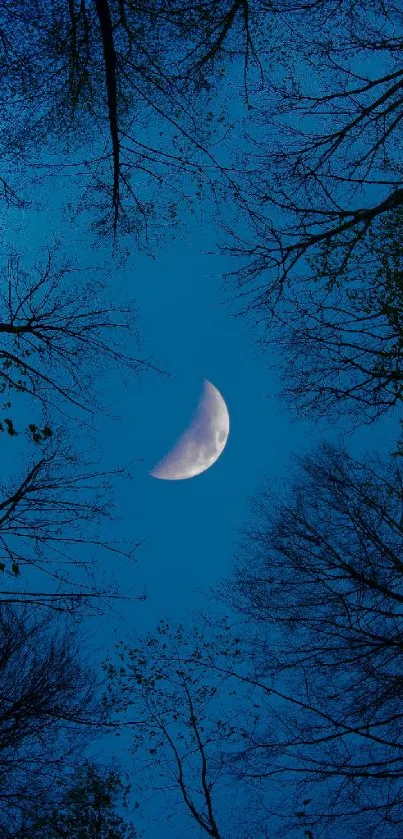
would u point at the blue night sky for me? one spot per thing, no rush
(188, 529)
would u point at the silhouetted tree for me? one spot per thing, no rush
(51, 516)
(82, 805)
(344, 343)
(319, 581)
(49, 709)
(187, 728)
(54, 332)
(106, 69)
(323, 164)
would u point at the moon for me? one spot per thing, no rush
(201, 443)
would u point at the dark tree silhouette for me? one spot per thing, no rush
(319, 578)
(84, 804)
(343, 344)
(186, 728)
(104, 69)
(51, 519)
(323, 162)
(49, 701)
(54, 333)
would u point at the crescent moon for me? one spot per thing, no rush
(201, 443)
